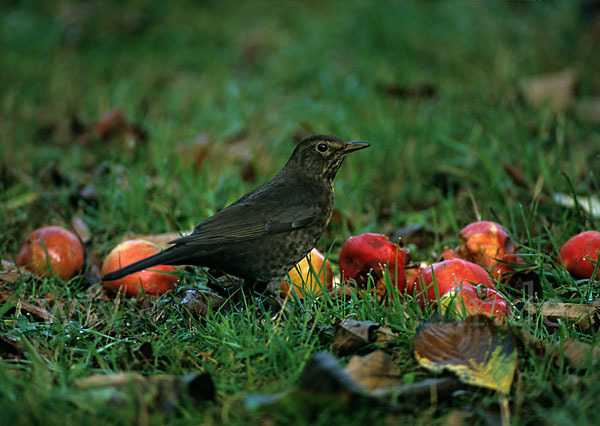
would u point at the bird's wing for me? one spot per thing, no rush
(242, 222)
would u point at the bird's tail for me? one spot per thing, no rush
(171, 256)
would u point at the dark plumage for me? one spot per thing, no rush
(261, 236)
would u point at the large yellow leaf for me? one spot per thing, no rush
(477, 351)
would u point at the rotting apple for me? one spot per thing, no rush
(412, 272)
(372, 254)
(311, 275)
(63, 248)
(153, 281)
(576, 253)
(448, 273)
(465, 300)
(488, 244)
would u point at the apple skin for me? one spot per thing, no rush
(153, 281)
(449, 273)
(574, 252)
(466, 300)
(65, 253)
(303, 280)
(373, 253)
(485, 243)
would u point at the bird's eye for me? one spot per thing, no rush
(322, 147)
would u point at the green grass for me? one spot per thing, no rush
(257, 76)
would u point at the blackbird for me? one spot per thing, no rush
(261, 236)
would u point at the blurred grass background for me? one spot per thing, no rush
(213, 96)
(434, 87)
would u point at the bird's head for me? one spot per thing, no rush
(321, 156)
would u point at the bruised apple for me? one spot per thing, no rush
(153, 281)
(63, 248)
(449, 273)
(311, 275)
(576, 253)
(488, 244)
(372, 254)
(466, 300)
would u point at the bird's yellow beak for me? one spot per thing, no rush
(355, 146)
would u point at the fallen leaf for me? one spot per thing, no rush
(323, 383)
(576, 353)
(580, 354)
(11, 348)
(81, 229)
(419, 91)
(373, 371)
(558, 89)
(475, 349)
(194, 152)
(9, 272)
(516, 175)
(199, 302)
(352, 335)
(590, 205)
(114, 124)
(150, 393)
(20, 307)
(581, 314)
(588, 109)
(385, 335)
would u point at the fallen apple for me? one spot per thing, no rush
(465, 300)
(64, 253)
(372, 254)
(576, 253)
(488, 244)
(440, 277)
(153, 281)
(411, 273)
(312, 275)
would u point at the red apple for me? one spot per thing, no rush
(449, 273)
(311, 275)
(373, 253)
(487, 244)
(465, 300)
(65, 253)
(152, 280)
(412, 273)
(576, 253)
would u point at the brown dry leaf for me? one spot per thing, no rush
(150, 393)
(81, 229)
(477, 351)
(114, 124)
(199, 302)
(583, 315)
(11, 348)
(588, 109)
(576, 353)
(352, 335)
(385, 335)
(419, 91)
(196, 151)
(558, 89)
(10, 272)
(39, 314)
(374, 371)
(580, 354)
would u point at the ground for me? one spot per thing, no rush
(147, 117)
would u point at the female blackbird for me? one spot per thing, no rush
(261, 236)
